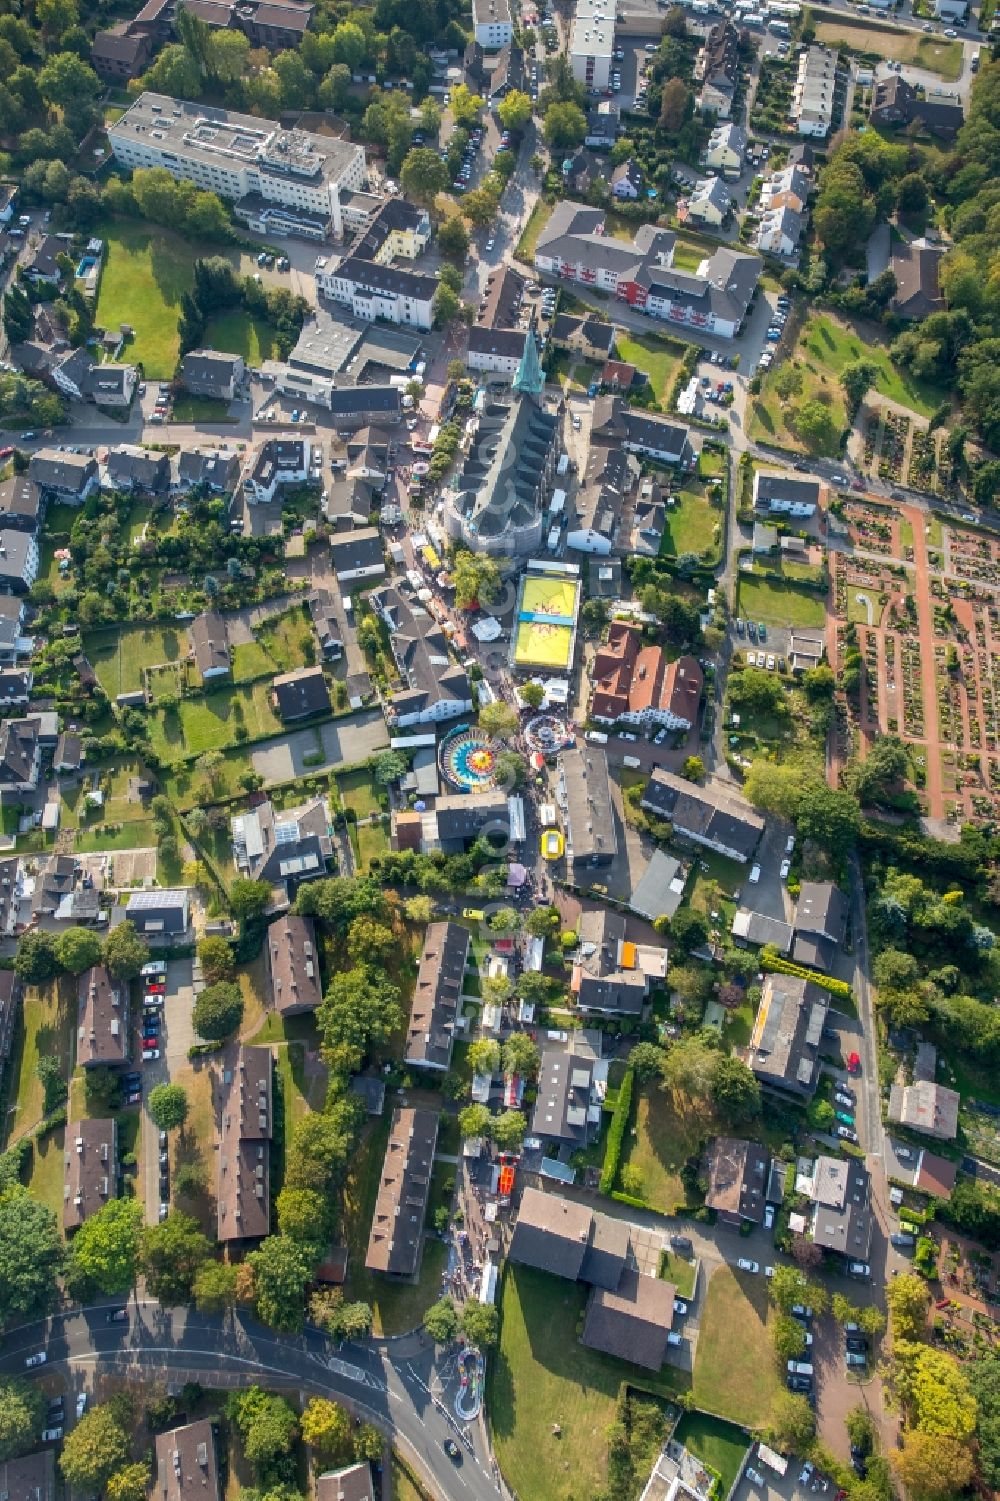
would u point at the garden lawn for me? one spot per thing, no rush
(118, 657)
(735, 1374)
(358, 792)
(541, 1376)
(372, 843)
(675, 1269)
(540, 215)
(779, 604)
(48, 1171)
(659, 359)
(937, 54)
(715, 1443)
(210, 722)
(236, 332)
(194, 1144)
(689, 526)
(146, 272)
(45, 1029)
(668, 1129)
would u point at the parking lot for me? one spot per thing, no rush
(775, 1487)
(175, 1037)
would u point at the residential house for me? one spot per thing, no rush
(121, 53)
(207, 372)
(160, 913)
(717, 70)
(130, 467)
(571, 1087)
(20, 504)
(187, 1464)
(42, 268)
(634, 684)
(813, 92)
(627, 180)
(780, 231)
(710, 202)
(19, 561)
(246, 1125)
(927, 1107)
(70, 477)
(275, 464)
(437, 997)
(20, 755)
(13, 642)
(215, 469)
(502, 299)
(603, 125)
(586, 336)
(277, 25)
(726, 149)
(588, 812)
(492, 24)
(437, 689)
(507, 74)
(496, 351)
(32, 1477)
(397, 230)
(67, 757)
(293, 958)
(283, 848)
(737, 1180)
(637, 432)
(789, 187)
(358, 556)
(713, 815)
(786, 1040)
(102, 1039)
(300, 694)
(353, 1483)
(210, 645)
(897, 102)
(784, 494)
(842, 1216)
(632, 1321)
(396, 1243)
(757, 928)
(820, 924)
(609, 477)
(8, 203)
(91, 1170)
(916, 267)
(458, 819)
(612, 974)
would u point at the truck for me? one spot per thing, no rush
(780, 28)
(597, 737)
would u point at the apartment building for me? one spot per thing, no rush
(812, 96)
(246, 1121)
(592, 43)
(492, 24)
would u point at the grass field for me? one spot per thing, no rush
(194, 1145)
(936, 54)
(357, 791)
(688, 526)
(825, 345)
(45, 1030)
(119, 657)
(659, 359)
(668, 1130)
(718, 1444)
(779, 604)
(371, 841)
(542, 1376)
(735, 1373)
(235, 333)
(540, 215)
(281, 645)
(678, 1271)
(211, 722)
(48, 1170)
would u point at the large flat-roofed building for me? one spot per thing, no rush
(437, 996)
(585, 794)
(785, 1045)
(297, 177)
(592, 43)
(396, 1242)
(492, 24)
(294, 965)
(186, 1464)
(246, 1123)
(840, 1189)
(102, 1019)
(91, 1169)
(927, 1107)
(710, 815)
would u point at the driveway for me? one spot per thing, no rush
(176, 1037)
(344, 742)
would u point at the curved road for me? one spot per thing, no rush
(384, 1382)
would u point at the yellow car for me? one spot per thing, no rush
(474, 914)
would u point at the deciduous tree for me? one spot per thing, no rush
(78, 949)
(125, 952)
(218, 1010)
(104, 1251)
(22, 1412)
(94, 1449)
(171, 1255)
(282, 1270)
(168, 1106)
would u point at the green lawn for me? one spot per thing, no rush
(735, 1373)
(659, 359)
(236, 333)
(779, 604)
(935, 53)
(540, 215)
(281, 644)
(48, 1171)
(45, 1029)
(372, 841)
(358, 792)
(119, 657)
(210, 722)
(675, 1269)
(543, 1376)
(720, 1445)
(689, 526)
(200, 409)
(667, 1130)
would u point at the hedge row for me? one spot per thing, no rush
(633, 1202)
(616, 1134)
(771, 959)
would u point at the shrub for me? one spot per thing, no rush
(616, 1134)
(772, 960)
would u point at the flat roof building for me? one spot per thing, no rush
(927, 1107)
(585, 795)
(32, 1477)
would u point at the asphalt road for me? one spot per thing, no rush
(387, 1383)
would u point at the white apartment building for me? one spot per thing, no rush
(372, 291)
(288, 181)
(592, 42)
(812, 97)
(492, 23)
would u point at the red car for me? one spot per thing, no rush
(854, 1064)
(155, 987)
(5, 453)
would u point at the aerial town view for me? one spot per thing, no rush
(499, 750)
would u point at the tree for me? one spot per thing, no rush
(871, 1321)
(248, 898)
(688, 929)
(78, 949)
(565, 126)
(466, 107)
(446, 306)
(646, 1061)
(125, 952)
(515, 110)
(480, 1323)
(908, 1299)
(303, 1215)
(789, 1286)
(499, 719)
(933, 1467)
(735, 1091)
(130, 1483)
(792, 1425)
(168, 1106)
(171, 1255)
(218, 1010)
(789, 1338)
(441, 1321)
(368, 1443)
(675, 23)
(690, 1066)
(693, 769)
(281, 1272)
(813, 423)
(268, 1424)
(508, 1130)
(520, 1056)
(476, 580)
(542, 922)
(217, 957)
(22, 1413)
(484, 1056)
(214, 1287)
(474, 1121)
(36, 960)
(911, 194)
(68, 81)
(94, 1449)
(104, 1251)
(31, 1254)
(675, 106)
(984, 1378)
(326, 1427)
(862, 1429)
(424, 175)
(370, 941)
(857, 379)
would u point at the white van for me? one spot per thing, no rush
(799, 1368)
(632, 762)
(597, 737)
(754, 875)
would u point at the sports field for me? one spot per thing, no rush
(547, 596)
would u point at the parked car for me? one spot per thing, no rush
(39, 1358)
(799, 1383)
(754, 875)
(746, 1265)
(150, 1055)
(857, 1344)
(854, 1064)
(81, 1404)
(784, 869)
(859, 1269)
(51, 1435)
(761, 630)
(855, 1360)
(680, 1307)
(768, 1216)
(847, 1134)
(844, 1118)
